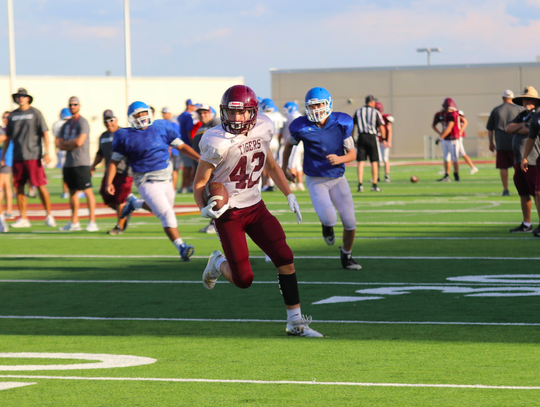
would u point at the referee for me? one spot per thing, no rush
(368, 122)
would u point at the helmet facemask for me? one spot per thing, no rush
(142, 121)
(235, 126)
(318, 115)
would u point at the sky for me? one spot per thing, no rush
(248, 38)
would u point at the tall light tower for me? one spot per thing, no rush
(127, 52)
(428, 51)
(11, 39)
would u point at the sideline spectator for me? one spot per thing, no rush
(123, 179)
(449, 135)
(386, 143)
(525, 180)
(6, 184)
(496, 126)
(186, 120)
(27, 130)
(368, 122)
(65, 114)
(152, 170)
(245, 137)
(74, 139)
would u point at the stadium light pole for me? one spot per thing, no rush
(11, 39)
(428, 51)
(127, 51)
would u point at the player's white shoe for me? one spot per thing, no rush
(70, 227)
(21, 223)
(50, 222)
(473, 171)
(92, 227)
(301, 328)
(211, 272)
(4, 228)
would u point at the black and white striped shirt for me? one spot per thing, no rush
(368, 119)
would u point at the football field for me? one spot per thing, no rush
(445, 311)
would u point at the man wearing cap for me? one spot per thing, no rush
(186, 120)
(449, 136)
(525, 179)
(123, 179)
(368, 122)
(75, 141)
(27, 130)
(496, 126)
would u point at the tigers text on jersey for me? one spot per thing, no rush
(238, 160)
(147, 150)
(318, 143)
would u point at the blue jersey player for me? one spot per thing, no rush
(328, 145)
(146, 145)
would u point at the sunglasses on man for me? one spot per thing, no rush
(109, 120)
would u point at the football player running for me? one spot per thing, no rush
(328, 145)
(146, 146)
(235, 155)
(290, 109)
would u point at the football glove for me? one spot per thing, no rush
(293, 204)
(209, 213)
(437, 141)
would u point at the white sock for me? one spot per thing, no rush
(177, 243)
(138, 203)
(294, 315)
(219, 262)
(527, 224)
(344, 251)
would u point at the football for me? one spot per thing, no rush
(216, 191)
(414, 178)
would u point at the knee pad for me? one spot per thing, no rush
(168, 219)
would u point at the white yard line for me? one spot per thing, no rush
(158, 256)
(42, 317)
(299, 382)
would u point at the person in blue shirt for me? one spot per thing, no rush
(6, 185)
(328, 145)
(146, 146)
(186, 122)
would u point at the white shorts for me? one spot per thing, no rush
(462, 148)
(327, 195)
(385, 154)
(296, 160)
(159, 196)
(450, 150)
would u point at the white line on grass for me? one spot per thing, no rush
(465, 284)
(264, 320)
(158, 256)
(302, 382)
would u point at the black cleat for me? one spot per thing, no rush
(523, 229)
(328, 234)
(347, 262)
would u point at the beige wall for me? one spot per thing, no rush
(412, 94)
(96, 94)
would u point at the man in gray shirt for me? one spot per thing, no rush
(75, 141)
(26, 129)
(496, 125)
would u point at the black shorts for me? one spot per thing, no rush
(367, 146)
(77, 178)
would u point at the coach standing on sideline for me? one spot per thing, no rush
(26, 129)
(497, 122)
(368, 121)
(75, 140)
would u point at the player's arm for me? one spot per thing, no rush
(202, 176)
(389, 135)
(111, 173)
(7, 141)
(350, 153)
(516, 128)
(287, 149)
(70, 145)
(188, 151)
(46, 156)
(97, 159)
(276, 173)
(448, 129)
(464, 124)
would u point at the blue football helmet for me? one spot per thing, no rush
(317, 96)
(290, 107)
(142, 121)
(268, 105)
(65, 113)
